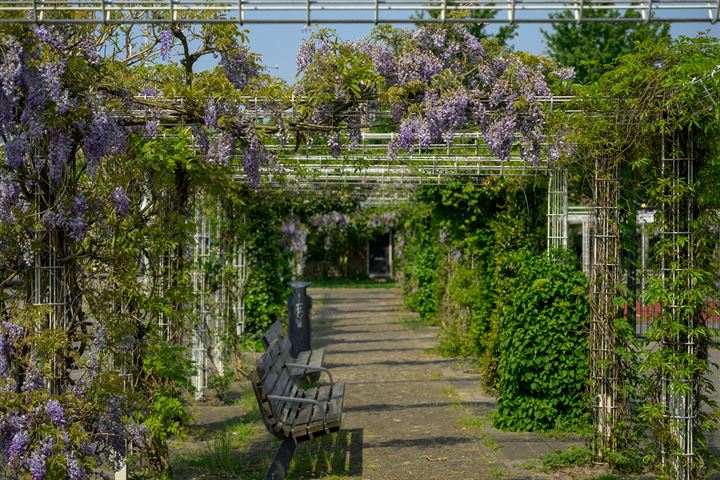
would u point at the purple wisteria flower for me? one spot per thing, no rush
(11, 67)
(74, 470)
(37, 464)
(15, 151)
(80, 204)
(60, 151)
(76, 228)
(55, 411)
(220, 149)
(138, 433)
(9, 335)
(385, 219)
(51, 75)
(418, 66)
(97, 138)
(18, 446)
(211, 114)
(51, 36)
(152, 128)
(254, 155)
(296, 234)
(121, 202)
(566, 73)
(413, 132)
(334, 144)
(239, 65)
(310, 49)
(33, 377)
(9, 198)
(166, 44)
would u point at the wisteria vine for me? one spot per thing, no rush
(436, 81)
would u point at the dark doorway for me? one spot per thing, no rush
(380, 255)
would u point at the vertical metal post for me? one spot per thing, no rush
(586, 246)
(645, 315)
(391, 269)
(678, 389)
(238, 291)
(219, 296)
(604, 281)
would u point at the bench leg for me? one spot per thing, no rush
(281, 462)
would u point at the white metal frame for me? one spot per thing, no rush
(246, 12)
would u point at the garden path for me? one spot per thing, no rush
(409, 413)
(413, 413)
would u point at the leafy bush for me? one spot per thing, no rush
(543, 345)
(424, 300)
(220, 382)
(466, 310)
(166, 369)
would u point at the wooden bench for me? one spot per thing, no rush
(290, 412)
(311, 358)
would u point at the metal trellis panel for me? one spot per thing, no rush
(605, 275)
(678, 389)
(557, 213)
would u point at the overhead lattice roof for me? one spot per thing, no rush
(345, 11)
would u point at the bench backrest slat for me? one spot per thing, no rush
(275, 332)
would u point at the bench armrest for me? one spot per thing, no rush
(311, 369)
(301, 400)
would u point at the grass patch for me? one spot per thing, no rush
(342, 283)
(337, 456)
(451, 393)
(243, 449)
(605, 476)
(414, 323)
(473, 422)
(573, 456)
(239, 449)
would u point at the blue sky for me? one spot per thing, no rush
(278, 43)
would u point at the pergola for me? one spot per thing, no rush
(367, 169)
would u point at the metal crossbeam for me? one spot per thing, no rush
(246, 12)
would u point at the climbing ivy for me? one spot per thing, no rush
(542, 369)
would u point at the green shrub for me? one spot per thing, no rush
(220, 382)
(467, 307)
(421, 285)
(542, 369)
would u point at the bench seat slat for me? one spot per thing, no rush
(303, 416)
(316, 426)
(311, 358)
(316, 422)
(317, 357)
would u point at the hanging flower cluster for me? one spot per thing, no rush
(294, 240)
(228, 127)
(386, 220)
(72, 434)
(338, 86)
(47, 128)
(56, 131)
(436, 81)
